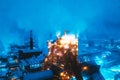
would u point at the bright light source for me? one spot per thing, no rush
(61, 74)
(68, 39)
(68, 77)
(57, 53)
(66, 46)
(85, 68)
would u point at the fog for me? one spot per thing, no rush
(94, 19)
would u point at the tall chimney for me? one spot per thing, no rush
(31, 40)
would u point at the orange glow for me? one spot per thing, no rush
(46, 59)
(66, 46)
(68, 77)
(58, 52)
(61, 74)
(85, 68)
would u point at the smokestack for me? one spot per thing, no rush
(31, 40)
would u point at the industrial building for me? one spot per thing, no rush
(69, 58)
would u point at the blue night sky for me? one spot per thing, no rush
(93, 18)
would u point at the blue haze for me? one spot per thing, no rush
(92, 18)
